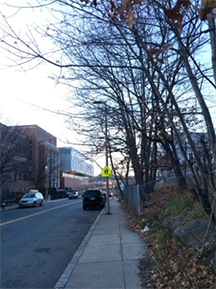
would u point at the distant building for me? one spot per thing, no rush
(43, 157)
(74, 169)
(35, 162)
(13, 160)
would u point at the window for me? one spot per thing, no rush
(14, 175)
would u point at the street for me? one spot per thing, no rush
(38, 243)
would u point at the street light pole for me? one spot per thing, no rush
(107, 178)
(46, 171)
(106, 155)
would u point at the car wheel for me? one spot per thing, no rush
(34, 205)
(84, 207)
(41, 204)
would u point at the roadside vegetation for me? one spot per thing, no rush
(170, 263)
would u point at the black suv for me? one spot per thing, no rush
(93, 199)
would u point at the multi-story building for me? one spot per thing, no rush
(43, 157)
(13, 160)
(74, 169)
(36, 162)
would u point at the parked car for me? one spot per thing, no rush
(31, 200)
(73, 195)
(64, 193)
(93, 199)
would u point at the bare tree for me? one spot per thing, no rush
(12, 155)
(158, 52)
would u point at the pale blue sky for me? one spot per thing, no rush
(33, 86)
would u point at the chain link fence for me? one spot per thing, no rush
(132, 193)
(132, 196)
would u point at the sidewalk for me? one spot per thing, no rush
(108, 256)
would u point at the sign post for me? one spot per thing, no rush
(106, 173)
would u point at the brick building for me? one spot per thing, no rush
(13, 160)
(43, 157)
(36, 163)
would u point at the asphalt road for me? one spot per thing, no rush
(38, 243)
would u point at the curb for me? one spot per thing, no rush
(71, 266)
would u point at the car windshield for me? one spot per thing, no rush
(92, 193)
(29, 196)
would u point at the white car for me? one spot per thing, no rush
(73, 195)
(31, 200)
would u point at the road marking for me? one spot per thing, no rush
(35, 214)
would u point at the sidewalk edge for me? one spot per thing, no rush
(61, 283)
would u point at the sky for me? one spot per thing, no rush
(27, 95)
(24, 94)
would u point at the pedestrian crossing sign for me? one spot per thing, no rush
(106, 172)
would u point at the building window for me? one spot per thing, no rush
(14, 175)
(30, 168)
(65, 151)
(30, 144)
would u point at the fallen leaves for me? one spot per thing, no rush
(168, 264)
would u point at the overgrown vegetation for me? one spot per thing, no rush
(169, 263)
(178, 205)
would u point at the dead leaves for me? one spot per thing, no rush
(130, 17)
(178, 12)
(124, 10)
(207, 7)
(180, 9)
(155, 52)
(169, 264)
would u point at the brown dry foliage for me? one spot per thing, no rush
(168, 263)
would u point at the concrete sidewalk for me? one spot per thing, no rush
(108, 256)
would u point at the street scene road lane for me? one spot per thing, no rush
(35, 214)
(36, 249)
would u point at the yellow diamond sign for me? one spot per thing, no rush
(106, 172)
